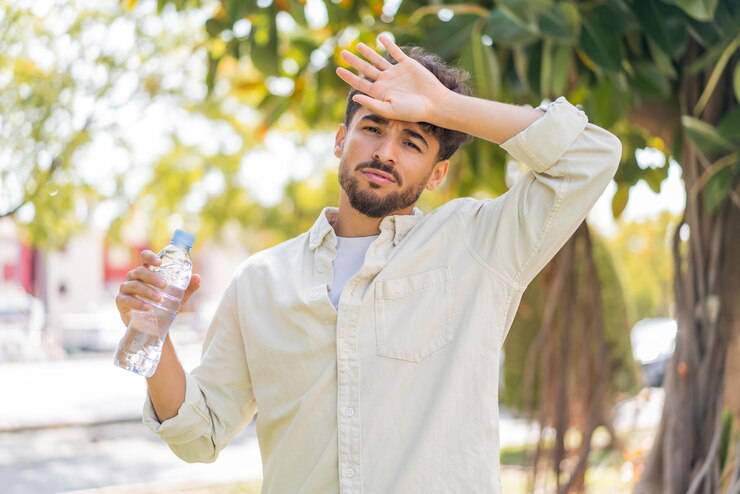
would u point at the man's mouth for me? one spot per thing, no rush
(378, 177)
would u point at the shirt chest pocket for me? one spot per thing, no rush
(412, 315)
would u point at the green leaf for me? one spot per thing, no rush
(546, 68)
(648, 79)
(663, 24)
(480, 60)
(506, 29)
(211, 72)
(705, 137)
(562, 22)
(264, 43)
(534, 68)
(214, 27)
(729, 126)
(619, 201)
(707, 59)
(605, 108)
(448, 39)
(310, 103)
(600, 43)
(662, 61)
(654, 177)
(520, 66)
(561, 65)
(238, 9)
(527, 10)
(714, 77)
(701, 10)
(717, 189)
(736, 82)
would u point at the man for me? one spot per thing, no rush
(370, 344)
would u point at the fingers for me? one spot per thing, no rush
(149, 258)
(194, 284)
(141, 290)
(371, 68)
(395, 51)
(382, 108)
(147, 276)
(142, 285)
(373, 57)
(126, 303)
(362, 66)
(355, 81)
(192, 287)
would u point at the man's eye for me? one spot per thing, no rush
(374, 130)
(411, 144)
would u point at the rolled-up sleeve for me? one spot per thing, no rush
(219, 399)
(570, 162)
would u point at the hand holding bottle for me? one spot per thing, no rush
(143, 283)
(149, 302)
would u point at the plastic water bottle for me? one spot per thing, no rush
(141, 347)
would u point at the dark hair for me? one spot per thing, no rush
(453, 78)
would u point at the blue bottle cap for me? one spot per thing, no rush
(183, 239)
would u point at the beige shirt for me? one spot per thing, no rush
(396, 391)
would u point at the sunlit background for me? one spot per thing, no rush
(121, 121)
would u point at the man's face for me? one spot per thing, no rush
(386, 164)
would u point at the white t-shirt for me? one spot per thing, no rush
(350, 256)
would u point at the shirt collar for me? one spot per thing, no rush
(399, 225)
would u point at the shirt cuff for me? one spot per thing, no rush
(542, 143)
(191, 422)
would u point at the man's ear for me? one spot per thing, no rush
(439, 172)
(339, 140)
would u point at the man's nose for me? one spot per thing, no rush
(385, 152)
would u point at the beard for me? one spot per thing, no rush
(375, 204)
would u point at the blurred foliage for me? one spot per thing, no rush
(610, 57)
(642, 253)
(623, 371)
(75, 84)
(269, 65)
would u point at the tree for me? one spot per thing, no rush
(76, 83)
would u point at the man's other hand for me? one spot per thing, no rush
(142, 287)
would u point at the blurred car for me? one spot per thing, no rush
(653, 342)
(22, 320)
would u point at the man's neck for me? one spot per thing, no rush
(350, 222)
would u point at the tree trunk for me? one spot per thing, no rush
(571, 362)
(684, 457)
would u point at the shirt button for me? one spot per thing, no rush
(348, 411)
(348, 472)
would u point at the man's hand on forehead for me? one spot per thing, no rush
(403, 91)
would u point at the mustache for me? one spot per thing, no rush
(382, 167)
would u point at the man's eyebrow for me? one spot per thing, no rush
(375, 118)
(416, 135)
(384, 121)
